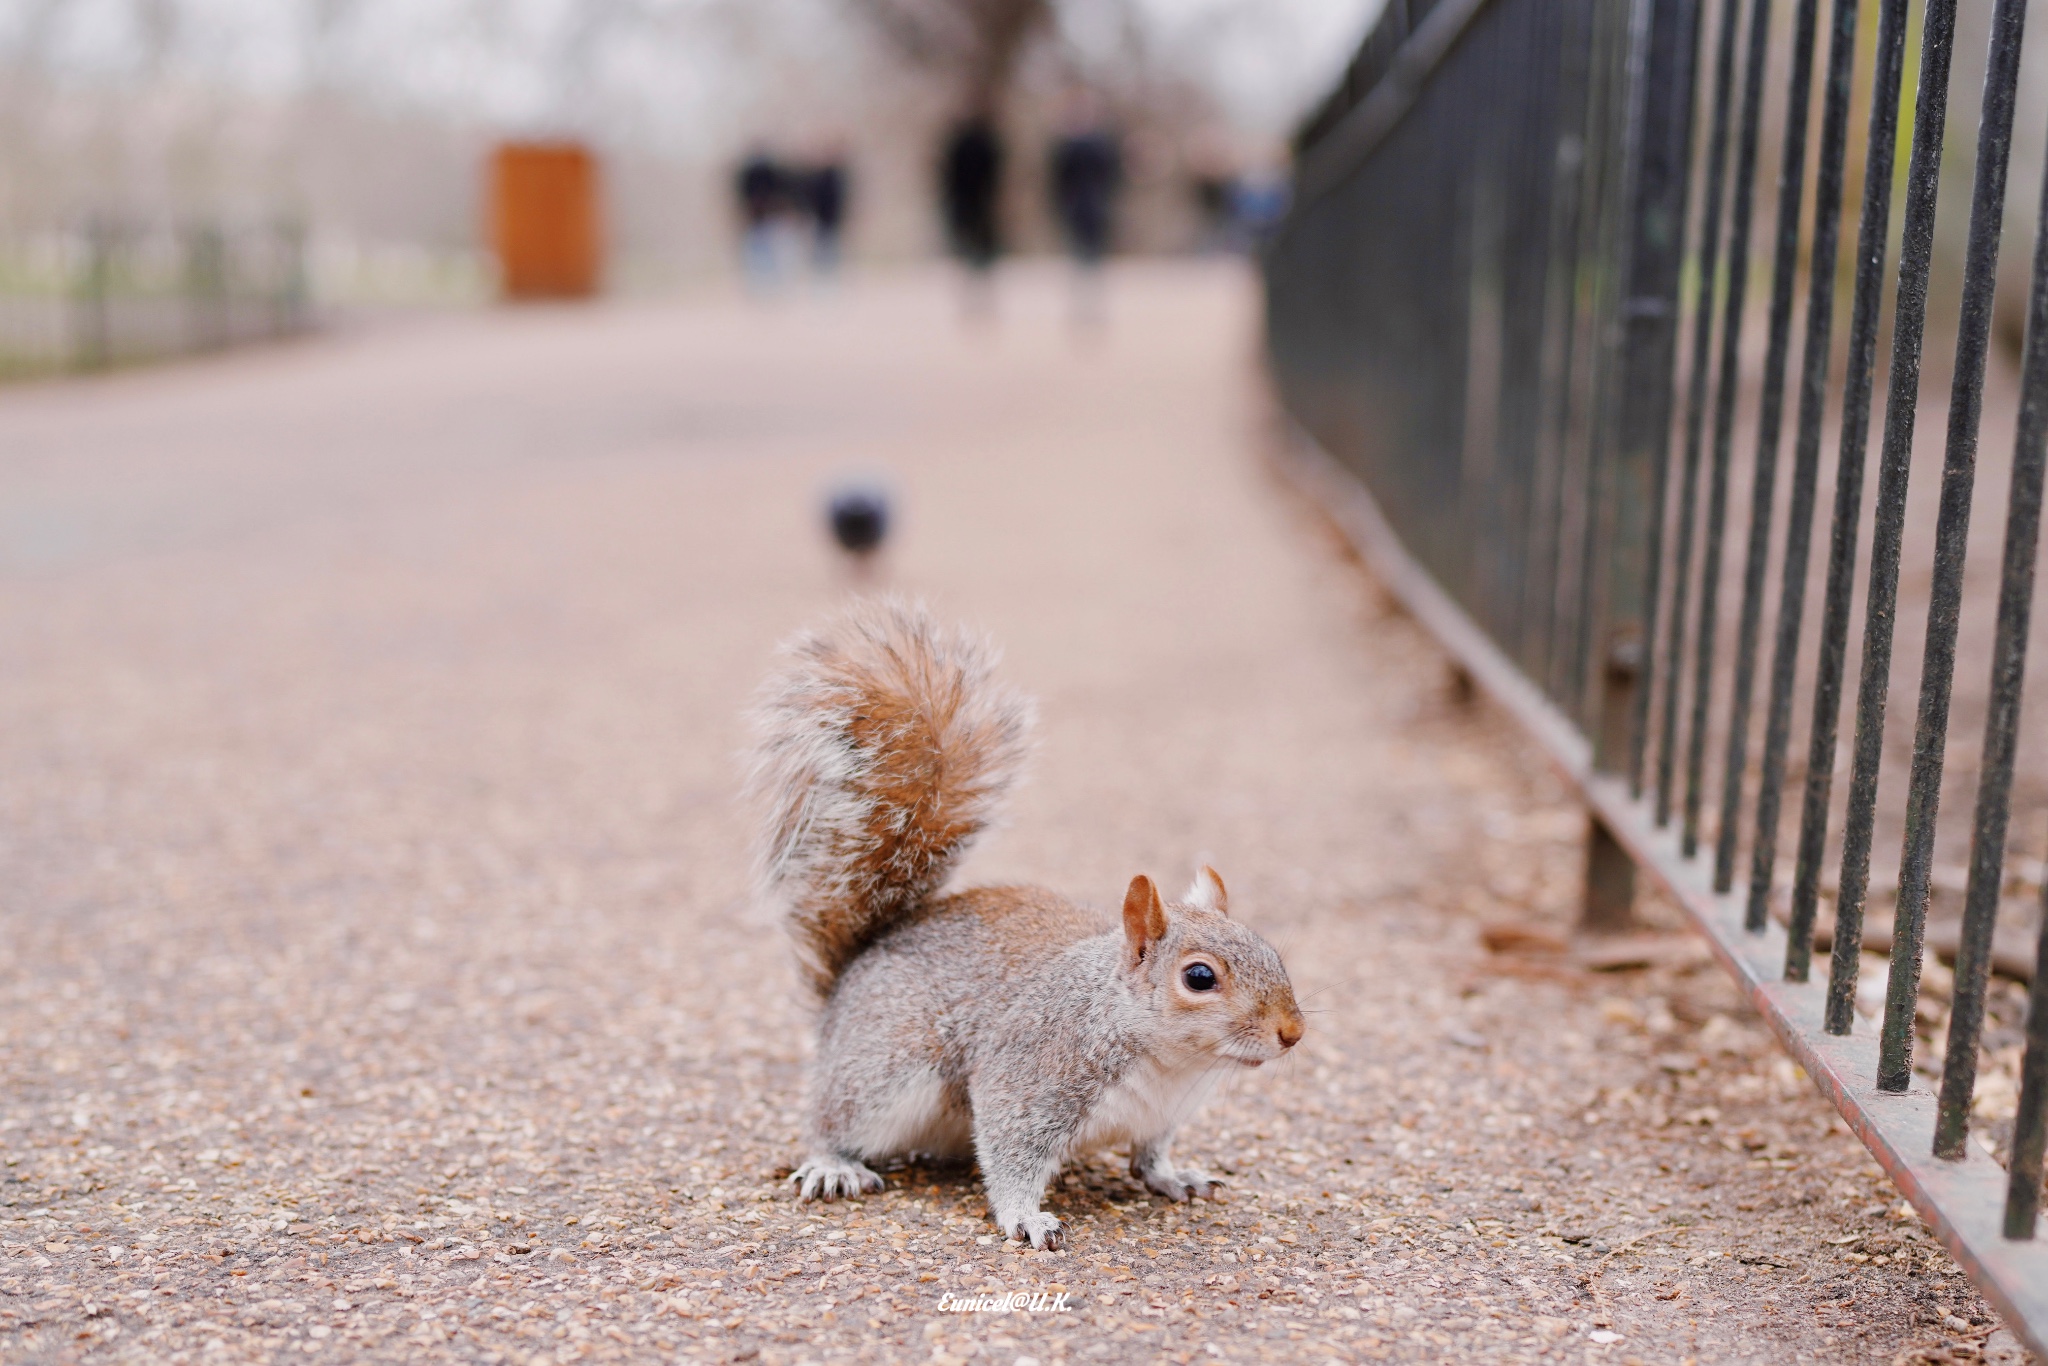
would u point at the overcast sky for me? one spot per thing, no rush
(677, 62)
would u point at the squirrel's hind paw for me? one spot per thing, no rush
(1043, 1230)
(1184, 1184)
(831, 1177)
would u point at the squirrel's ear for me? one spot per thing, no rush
(1144, 919)
(1207, 894)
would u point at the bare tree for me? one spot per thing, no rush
(159, 24)
(976, 42)
(36, 25)
(323, 25)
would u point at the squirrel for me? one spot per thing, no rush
(1009, 1024)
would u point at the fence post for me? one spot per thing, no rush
(206, 287)
(1664, 41)
(290, 290)
(95, 344)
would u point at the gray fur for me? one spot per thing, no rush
(1006, 1024)
(1032, 1059)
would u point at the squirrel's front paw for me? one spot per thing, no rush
(1042, 1229)
(830, 1176)
(1183, 1184)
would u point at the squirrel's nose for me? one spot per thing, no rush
(1290, 1031)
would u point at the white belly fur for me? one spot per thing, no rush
(1150, 1102)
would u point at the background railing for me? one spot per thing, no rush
(1569, 313)
(111, 292)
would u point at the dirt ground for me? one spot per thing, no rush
(377, 980)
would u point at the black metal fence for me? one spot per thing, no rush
(113, 292)
(1564, 281)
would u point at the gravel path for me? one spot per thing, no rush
(376, 980)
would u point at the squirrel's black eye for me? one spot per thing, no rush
(1199, 977)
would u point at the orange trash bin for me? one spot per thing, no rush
(545, 223)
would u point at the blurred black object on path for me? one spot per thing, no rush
(860, 519)
(1087, 171)
(970, 178)
(825, 195)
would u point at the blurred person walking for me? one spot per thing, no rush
(1087, 172)
(970, 182)
(763, 191)
(1214, 194)
(1259, 201)
(825, 190)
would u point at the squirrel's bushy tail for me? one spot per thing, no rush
(882, 747)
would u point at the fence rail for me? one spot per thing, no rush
(111, 292)
(1562, 282)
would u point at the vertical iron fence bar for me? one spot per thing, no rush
(1770, 427)
(2030, 1125)
(1505, 567)
(1647, 173)
(1524, 214)
(1558, 313)
(1724, 419)
(1614, 611)
(1696, 400)
(1895, 464)
(1662, 187)
(1813, 389)
(1938, 656)
(1481, 489)
(2030, 453)
(1831, 663)
(1514, 381)
(1577, 427)
(1937, 671)
(1613, 249)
